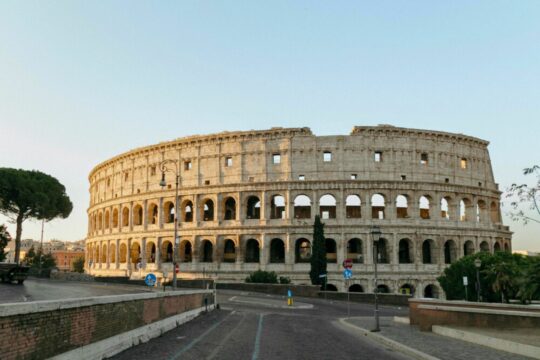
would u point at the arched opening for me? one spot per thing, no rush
(104, 254)
(150, 252)
(330, 287)
(252, 251)
(107, 220)
(302, 207)
(382, 251)
(484, 247)
(100, 221)
(208, 210)
(135, 253)
(497, 247)
(277, 251)
(465, 210)
(354, 250)
(302, 250)
(277, 207)
(494, 212)
(424, 205)
(404, 254)
(506, 247)
(186, 251)
(444, 209)
(253, 210)
(188, 211)
(137, 215)
(353, 207)
(383, 289)
(406, 289)
(112, 253)
(152, 213)
(207, 251)
(428, 252)
(468, 248)
(166, 251)
(450, 252)
(331, 253)
(377, 206)
(229, 251)
(96, 253)
(168, 209)
(402, 207)
(115, 218)
(356, 288)
(327, 207)
(230, 209)
(431, 292)
(481, 211)
(123, 253)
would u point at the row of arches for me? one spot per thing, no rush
(428, 291)
(302, 209)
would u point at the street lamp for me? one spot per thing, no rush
(163, 167)
(375, 236)
(477, 264)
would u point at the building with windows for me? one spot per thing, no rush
(247, 201)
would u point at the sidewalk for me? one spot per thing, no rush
(424, 345)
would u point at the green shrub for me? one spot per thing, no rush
(284, 280)
(262, 277)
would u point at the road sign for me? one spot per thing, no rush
(150, 279)
(347, 263)
(322, 275)
(347, 274)
(465, 281)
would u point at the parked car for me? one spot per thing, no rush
(10, 272)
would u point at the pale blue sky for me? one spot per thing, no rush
(81, 81)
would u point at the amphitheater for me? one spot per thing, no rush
(247, 201)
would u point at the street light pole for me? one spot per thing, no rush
(164, 168)
(477, 264)
(375, 235)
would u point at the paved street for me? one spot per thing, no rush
(45, 289)
(258, 326)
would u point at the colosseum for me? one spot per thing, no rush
(247, 201)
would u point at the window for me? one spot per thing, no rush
(126, 176)
(403, 177)
(228, 161)
(327, 156)
(447, 180)
(378, 156)
(424, 159)
(206, 182)
(353, 176)
(251, 179)
(276, 158)
(152, 170)
(480, 184)
(463, 163)
(301, 177)
(187, 165)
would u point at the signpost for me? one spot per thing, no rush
(465, 283)
(150, 279)
(323, 276)
(347, 275)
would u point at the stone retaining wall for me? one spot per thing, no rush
(384, 299)
(276, 289)
(71, 276)
(43, 329)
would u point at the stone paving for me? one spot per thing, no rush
(432, 344)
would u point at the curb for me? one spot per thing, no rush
(416, 354)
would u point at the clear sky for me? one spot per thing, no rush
(81, 81)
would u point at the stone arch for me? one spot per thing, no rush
(168, 211)
(135, 253)
(123, 253)
(402, 206)
(253, 207)
(497, 247)
(431, 291)
(494, 212)
(112, 253)
(152, 213)
(468, 248)
(405, 251)
(277, 207)
(186, 251)
(481, 211)
(353, 207)
(302, 207)
(484, 247)
(424, 203)
(429, 252)
(229, 251)
(96, 253)
(331, 287)
(277, 251)
(507, 247)
(229, 208)
(356, 288)
(207, 253)
(302, 250)
(406, 289)
(115, 218)
(378, 202)
(104, 254)
(187, 211)
(327, 207)
(445, 207)
(450, 251)
(465, 210)
(382, 251)
(125, 216)
(208, 210)
(150, 252)
(107, 219)
(166, 251)
(383, 289)
(252, 251)
(355, 250)
(100, 221)
(331, 250)
(137, 215)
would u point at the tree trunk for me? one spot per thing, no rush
(18, 233)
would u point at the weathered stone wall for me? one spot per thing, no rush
(276, 289)
(42, 329)
(367, 298)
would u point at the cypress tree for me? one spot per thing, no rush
(318, 253)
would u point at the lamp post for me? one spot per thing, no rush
(375, 235)
(477, 264)
(163, 167)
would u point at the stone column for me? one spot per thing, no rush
(117, 254)
(263, 253)
(128, 257)
(143, 252)
(289, 250)
(158, 253)
(145, 215)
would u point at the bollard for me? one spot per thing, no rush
(289, 298)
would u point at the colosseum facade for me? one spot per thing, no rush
(247, 201)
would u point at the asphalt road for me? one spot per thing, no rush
(45, 289)
(257, 326)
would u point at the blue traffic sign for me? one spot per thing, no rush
(347, 274)
(150, 279)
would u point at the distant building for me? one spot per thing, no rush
(64, 258)
(26, 244)
(526, 252)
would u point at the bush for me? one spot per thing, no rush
(78, 264)
(262, 277)
(284, 280)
